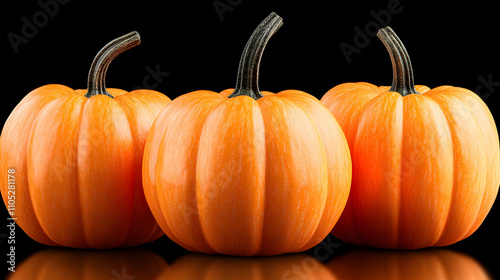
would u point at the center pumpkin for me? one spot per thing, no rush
(250, 173)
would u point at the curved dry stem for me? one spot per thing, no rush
(247, 82)
(96, 83)
(402, 71)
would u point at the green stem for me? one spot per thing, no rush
(247, 82)
(96, 83)
(402, 71)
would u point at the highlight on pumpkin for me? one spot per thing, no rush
(77, 157)
(426, 162)
(246, 172)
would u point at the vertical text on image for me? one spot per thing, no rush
(11, 221)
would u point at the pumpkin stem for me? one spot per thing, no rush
(402, 71)
(97, 74)
(247, 82)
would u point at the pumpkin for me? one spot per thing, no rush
(243, 173)
(426, 165)
(76, 160)
(291, 266)
(64, 263)
(406, 265)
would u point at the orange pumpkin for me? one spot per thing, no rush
(246, 174)
(406, 265)
(63, 264)
(76, 156)
(426, 164)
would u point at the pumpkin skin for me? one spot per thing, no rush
(240, 176)
(426, 165)
(406, 265)
(54, 264)
(78, 163)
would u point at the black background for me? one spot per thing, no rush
(454, 43)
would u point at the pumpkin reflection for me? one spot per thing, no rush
(427, 264)
(54, 264)
(288, 267)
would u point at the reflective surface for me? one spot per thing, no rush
(56, 264)
(68, 264)
(408, 265)
(290, 266)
